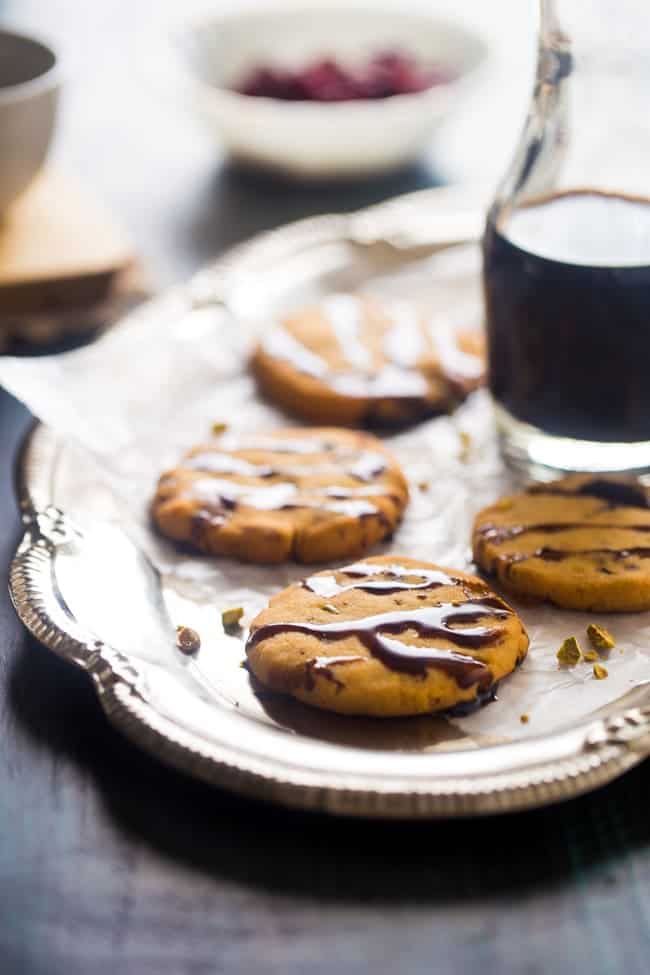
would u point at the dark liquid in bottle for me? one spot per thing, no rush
(567, 291)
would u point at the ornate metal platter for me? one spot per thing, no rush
(93, 585)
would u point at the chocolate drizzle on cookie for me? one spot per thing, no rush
(323, 667)
(375, 633)
(459, 623)
(616, 493)
(395, 578)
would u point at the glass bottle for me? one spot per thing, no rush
(566, 251)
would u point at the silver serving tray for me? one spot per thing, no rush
(94, 598)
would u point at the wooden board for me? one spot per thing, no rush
(59, 247)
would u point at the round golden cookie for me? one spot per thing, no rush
(352, 361)
(582, 542)
(386, 637)
(311, 495)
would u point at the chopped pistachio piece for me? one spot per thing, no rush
(591, 656)
(218, 428)
(231, 617)
(524, 718)
(600, 672)
(569, 653)
(599, 637)
(331, 608)
(187, 640)
(465, 443)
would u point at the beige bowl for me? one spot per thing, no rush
(29, 91)
(203, 59)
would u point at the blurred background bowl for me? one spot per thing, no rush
(310, 139)
(29, 90)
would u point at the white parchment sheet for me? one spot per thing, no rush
(155, 384)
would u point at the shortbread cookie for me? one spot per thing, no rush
(352, 361)
(312, 495)
(385, 637)
(582, 542)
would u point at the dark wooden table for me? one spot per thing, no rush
(111, 863)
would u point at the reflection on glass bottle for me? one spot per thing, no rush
(567, 251)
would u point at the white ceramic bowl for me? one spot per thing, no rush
(316, 139)
(29, 89)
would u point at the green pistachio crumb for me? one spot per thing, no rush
(524, 718)
(569, 653)
(600, 672)
(465, 444)
(231, 617)
(599, 637)
(218, 428)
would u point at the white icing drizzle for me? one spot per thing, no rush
(345, 314)
(454, 361)
(404, 342)
(275, 497)
(282, 345)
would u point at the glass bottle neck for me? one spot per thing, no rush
(588, 124)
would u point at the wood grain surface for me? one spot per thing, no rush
(111, 863)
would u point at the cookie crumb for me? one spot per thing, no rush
(600, 638)
(591, 655)
(330, 608)
(231, 617)
(465, 444)
(524, 718)
(600, 672)
(218, 428)
(187, 640)
(423, 485)
(569, 653)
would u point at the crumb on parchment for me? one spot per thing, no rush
(600, 672)
(569, 653)
(218, 428)
(524, 718)
(465, 444)
(599, 637)
(187, 640)
(232, 617)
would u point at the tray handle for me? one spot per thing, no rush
(41, 607)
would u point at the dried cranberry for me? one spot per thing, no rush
(325, 80)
